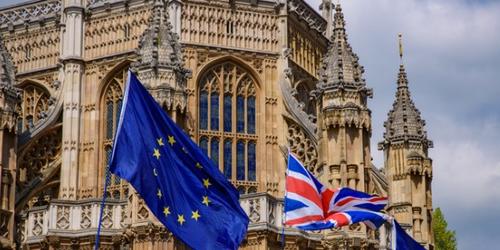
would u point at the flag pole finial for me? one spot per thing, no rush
(400, 36)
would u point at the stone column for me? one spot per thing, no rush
(72, 59)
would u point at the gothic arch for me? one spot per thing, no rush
(234, 60)
(35, 104)
(227, 129)
(120, 67)
(111, 92)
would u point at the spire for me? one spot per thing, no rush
(7, 69)
(159, 46)
(341, 67)
(404, 122)
(160, 65)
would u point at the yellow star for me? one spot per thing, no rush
(195, 215)
(180, 219)
(206, 183)
(159, 193)
(198, 165)
(206, 200)
(166, 211)
(160, 141)
(154, 172)
(171, 140)
(157, 153)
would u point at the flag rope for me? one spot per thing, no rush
(104, 195)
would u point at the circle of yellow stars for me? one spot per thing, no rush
(195, 215)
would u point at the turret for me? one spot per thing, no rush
(407, 165)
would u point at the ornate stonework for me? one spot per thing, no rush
(247, 80)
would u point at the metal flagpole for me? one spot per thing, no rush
(98, 236)
(284, 207)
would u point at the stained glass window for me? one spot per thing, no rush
(214, 150)
(214, 111)
(109, 120)
(204, 145)
(203, 110)
(227, 122)
(240, 160)
(251, 161)
(251, 115)
(228, 159)
(118, 111)
(240, 114)
(228, 112)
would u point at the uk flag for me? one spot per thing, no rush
(311, 206)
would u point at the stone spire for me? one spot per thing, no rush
(160, 64)
(404, 122)
(341, 68)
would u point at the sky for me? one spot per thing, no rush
(452, 57)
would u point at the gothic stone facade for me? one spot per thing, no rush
(245, 79)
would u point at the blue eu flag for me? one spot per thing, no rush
(181, 186)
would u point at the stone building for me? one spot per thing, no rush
(245, 79)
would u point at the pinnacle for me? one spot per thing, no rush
(341, 66)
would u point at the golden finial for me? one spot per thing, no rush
(401, 47)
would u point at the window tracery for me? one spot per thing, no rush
(227, 122)
(111, 106)
(33, 107)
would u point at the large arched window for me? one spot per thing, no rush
(227, 122)
(111, 103)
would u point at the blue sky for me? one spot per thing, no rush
(452, 57)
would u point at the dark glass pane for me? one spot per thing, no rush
(203, 110)
(228, 112)
(214, 111)
(241, 189)
(228, 159)
(108, 158)
(204, 145)
(118, 110)
(29, 120)
(240, 161)
(251, 115)
(109, 120)
(240, 114)
(20, 125)
(214, 150)
(251, 161)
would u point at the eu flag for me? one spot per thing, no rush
(179, 183)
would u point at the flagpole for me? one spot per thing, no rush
(284, 207)
(104, 195)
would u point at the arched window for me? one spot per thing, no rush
(33, 107)
(111, 108)
(227, 119)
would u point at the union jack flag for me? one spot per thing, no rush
(311, 206)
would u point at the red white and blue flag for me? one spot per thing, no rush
(311, 206)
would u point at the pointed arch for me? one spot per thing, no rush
(227, 97)
(34, 106)
(110, 101)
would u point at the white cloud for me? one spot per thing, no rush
(453, 62)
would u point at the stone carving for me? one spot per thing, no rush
(160, 64)
(62, 221)
(107, 216)
(86, 217)
(39, 155)
(254, 214)
(306, 13)
(294, 107)
(302, 146)
(24, 14)
(34, 107)
(37, 226)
